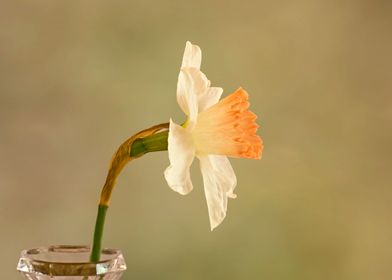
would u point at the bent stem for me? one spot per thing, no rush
(149, 140)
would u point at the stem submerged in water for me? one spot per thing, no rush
(150, 140)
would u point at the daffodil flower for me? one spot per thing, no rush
(214, 130)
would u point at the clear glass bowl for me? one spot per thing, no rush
(70, 262)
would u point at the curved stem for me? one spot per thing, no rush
(150, 140)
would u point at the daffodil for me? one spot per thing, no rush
(214, 130)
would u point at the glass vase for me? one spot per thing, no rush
(70, 263)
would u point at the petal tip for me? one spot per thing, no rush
(182, 190)
(231, 195)
(215, 224)
(192, 56)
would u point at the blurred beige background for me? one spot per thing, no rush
(79, 77)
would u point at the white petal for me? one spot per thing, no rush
(186, 98)
(192, 84)
(219, 182)
(200, 80)
(192, 56)
(181, 154)
(211, 97)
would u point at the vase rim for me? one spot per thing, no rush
(30, 253)
(69, 260)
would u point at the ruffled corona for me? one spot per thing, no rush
(228, 128)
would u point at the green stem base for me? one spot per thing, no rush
(96, 250)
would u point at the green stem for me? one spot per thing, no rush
(96, 251)
(153, 143)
